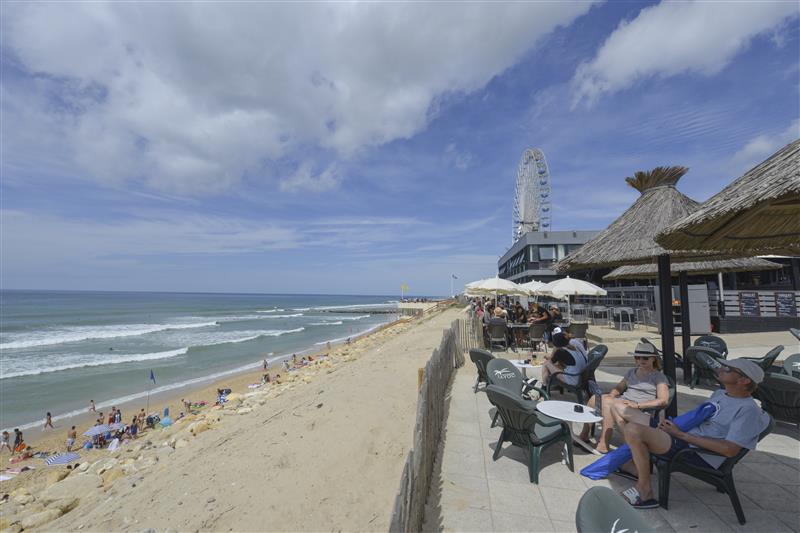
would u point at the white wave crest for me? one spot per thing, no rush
(337, 323)
(270, 311)
(354, 306)
(358, 317)
(78, 334)
(95, 360)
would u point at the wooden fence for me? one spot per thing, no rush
(409, 505)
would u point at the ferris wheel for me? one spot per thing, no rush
(531, 195)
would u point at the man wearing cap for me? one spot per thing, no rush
(736, 424)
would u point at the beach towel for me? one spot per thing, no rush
(607, 464)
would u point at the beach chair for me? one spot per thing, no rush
(502, 373)
(713, 342)
(480, 357)
(721, 478)
(581, 390)
(791, 365)
(536, 335)
(498, 336)
(780, 397)
(525, 427)
(602, 509)
(705, 361)
(766, 362)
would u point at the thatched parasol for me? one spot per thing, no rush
(757, 213)
(650, 271)
(631, 238)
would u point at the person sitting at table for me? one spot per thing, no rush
(643, 387)
(541, 315)
(520, 317)
(560, 361)
(737, 423)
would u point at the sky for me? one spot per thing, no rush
(348, 148)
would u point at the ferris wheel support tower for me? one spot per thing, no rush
(532, 195)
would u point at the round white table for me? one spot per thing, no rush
(566, 411)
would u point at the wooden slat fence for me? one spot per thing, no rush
(409, 505)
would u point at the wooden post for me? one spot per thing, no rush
(686, 330)
(667, 326)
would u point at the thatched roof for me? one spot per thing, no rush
(650, 271)
(631, 238)
(759, 213)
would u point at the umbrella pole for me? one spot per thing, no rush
(686, 332)
(667, 326)
(147, 409)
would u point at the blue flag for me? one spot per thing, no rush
(454, 276)
(152, 377)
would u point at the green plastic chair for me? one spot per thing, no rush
(525, 427)
(780, 397)
(721, 478)
(502, 373)
(602, 509)
(481, 358)
(766, 362)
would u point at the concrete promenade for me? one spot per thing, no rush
(471, 492)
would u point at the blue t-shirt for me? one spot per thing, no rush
(738, 420)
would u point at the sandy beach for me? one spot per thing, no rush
(322, 450)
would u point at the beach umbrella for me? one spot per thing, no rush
(650, 271)
(496, 286)
(61, 459)
(166, 421)
(759, 213)
(532, 287)
(630, 239)
(566, 287)
(97, 430)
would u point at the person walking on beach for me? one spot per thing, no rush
(71, 436)
(118, 416)
(48, 422)
(92, 408)
(266, 365)
(4, 442)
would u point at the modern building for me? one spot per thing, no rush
(534, 254)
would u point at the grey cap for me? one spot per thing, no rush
(746, 367)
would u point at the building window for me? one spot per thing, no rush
(547, 253)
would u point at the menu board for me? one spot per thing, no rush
(748, 304)
(784, 304)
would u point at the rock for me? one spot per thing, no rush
(181, 443)
(104, 464)
(198, 427)
(7, 518)
(83, 467)
(82, 484)
(13, 528)
(109, 476)
(41, 518)
(23, 499)
(65, 505)
(129, 469)
(244, 410)
(22, 491)
(54, 476)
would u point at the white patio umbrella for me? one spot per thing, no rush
(495, 286)
(532, 287)
(566, 287)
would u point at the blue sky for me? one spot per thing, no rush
(349, 148)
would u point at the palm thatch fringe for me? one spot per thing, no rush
(631, 238)
(759, 213)
(650, 271)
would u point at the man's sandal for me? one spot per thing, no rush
(635, 499)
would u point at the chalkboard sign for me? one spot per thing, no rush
(748, 304)
(784, 304)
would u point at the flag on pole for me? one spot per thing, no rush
(152, 377)
(454, 276)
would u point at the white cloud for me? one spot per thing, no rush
(305, 180)
(763, 146)
(460, 159)
(676, 37)
(188, 98)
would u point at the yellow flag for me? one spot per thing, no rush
(403, 287)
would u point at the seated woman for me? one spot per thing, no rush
(643, 387)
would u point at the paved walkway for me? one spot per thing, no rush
(471, 492)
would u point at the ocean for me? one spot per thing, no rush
(61, 349)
